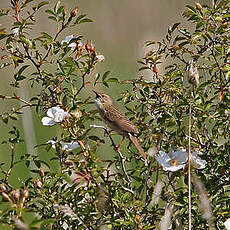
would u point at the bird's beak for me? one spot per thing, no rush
(97, 95)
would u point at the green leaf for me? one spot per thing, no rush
(80, 17)
(47, 224)
(53, 18)
(175, 26)
(113, 79)
(97, 76)
(25, 40)
(191, 8)
(2, 36)
(85, 20)
(144, 68)
(105, 75)
(56, 7)
(105, 84)
(60, 9)
(41, 4)
(20, 78)
(96, 139)
(50, 12)
(22, 69)
(47, 36)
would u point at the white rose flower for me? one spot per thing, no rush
(227, 224)
(67, 146)
(54, 115)
(178, 159)
(100, 58)
(197, 162)
(67, 40)
(173, 161)
(15, 31)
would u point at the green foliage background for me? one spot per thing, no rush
(118, 194)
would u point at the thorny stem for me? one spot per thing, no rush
(213, 48)
(55, 37)
(122, 158)
(189, 169)
(148, 175)
(37, 66)
(7, 173)
(90, 65)
(83, 80)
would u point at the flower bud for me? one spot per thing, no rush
(42, 174)
(221, 96)
(37, 183)
(68, 163)
(16, 194)
(3, 188)
(77, 113)
(198, 6)
(25, 193)
(64, 11)
(5, 196)
(100, 58)
(74, 11)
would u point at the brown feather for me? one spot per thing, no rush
(137, 145)
(117, 121)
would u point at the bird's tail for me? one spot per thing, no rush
(137, 145)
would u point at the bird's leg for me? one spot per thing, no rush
(118, 147)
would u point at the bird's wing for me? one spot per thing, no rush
(119, 120)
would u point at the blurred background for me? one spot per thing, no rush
(118, 32)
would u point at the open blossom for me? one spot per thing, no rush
(15, 31)
(227, 224)
(54, 115)
(67, 146)
(178, 159)
(100, 58)
(67, 40)
(197, 162)
(173, 161)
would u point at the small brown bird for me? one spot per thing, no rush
(116, 120)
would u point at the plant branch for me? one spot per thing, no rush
(122, 158)
(189, 169)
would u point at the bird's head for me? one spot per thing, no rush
(102, 99)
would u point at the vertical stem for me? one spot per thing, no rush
(214, 4)
(28, 124)
(189, 170)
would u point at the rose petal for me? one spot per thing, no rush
(167, 163)
(57, 114)
(69, 146)
(53, 143)
(51, 111)
(67, 39)
(197, 162)
(227, 224)
(173, 168)
(47, 121)
(180, 155)
(60, 116)
(100, 58)
(15, 31)
(163, 158)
